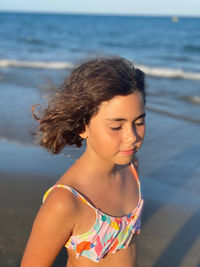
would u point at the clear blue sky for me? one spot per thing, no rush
(138, 7)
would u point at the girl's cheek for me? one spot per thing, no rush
(141, 131)
(111, 136)
(114, 133)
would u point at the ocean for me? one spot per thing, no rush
(37, 52)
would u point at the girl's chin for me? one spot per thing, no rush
(123, 161)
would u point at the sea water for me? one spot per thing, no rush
(37, 52)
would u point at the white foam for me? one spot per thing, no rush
(151, 71)
(169, 73)
(194, 99)
(35, 64)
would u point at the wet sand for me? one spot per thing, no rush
(170, 235)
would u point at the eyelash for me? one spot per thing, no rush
(116, 129)
(120, 127)
(139, 124)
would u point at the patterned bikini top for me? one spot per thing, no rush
(109, 233)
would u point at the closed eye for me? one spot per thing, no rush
(139, 124)
(116, 128)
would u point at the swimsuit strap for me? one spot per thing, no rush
(80, 196)
(135, 174)
(77, 194)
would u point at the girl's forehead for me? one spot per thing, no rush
(129, 105)
(134, 100)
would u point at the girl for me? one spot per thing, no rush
(94, 209)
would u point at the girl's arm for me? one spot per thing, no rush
(51, 229)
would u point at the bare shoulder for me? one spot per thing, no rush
(59, 210)
(52, 227)
(61, 201)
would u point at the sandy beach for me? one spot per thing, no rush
(32, 66)
(171, 217)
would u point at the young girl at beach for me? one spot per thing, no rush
(94, 209)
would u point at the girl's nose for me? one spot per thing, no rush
(131, 135)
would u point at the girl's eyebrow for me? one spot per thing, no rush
(122, 119)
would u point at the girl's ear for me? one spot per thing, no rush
(84, 134)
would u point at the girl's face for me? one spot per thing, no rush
(117, 131)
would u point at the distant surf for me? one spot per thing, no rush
(192, 99)
(160, 72)
(6, 63)
(169, 73)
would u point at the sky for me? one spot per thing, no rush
(123, 7)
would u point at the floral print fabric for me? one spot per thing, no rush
(108, 234)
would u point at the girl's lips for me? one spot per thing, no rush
(128, 152)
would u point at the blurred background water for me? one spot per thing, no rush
(37, 52)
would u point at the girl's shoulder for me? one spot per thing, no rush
(60, 195)
(53, 225)
(60, 202)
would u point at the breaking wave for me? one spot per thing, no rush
(192, 99)
(35, 64)
(150, 71)
(169, 73)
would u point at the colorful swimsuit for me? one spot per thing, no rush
(109, 233)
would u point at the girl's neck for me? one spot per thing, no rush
(98, 167)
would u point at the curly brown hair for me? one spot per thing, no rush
(80, 96)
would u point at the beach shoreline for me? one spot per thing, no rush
(169, 162)
(164, 225)
(170, 223)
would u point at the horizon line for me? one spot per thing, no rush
(98, 14)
